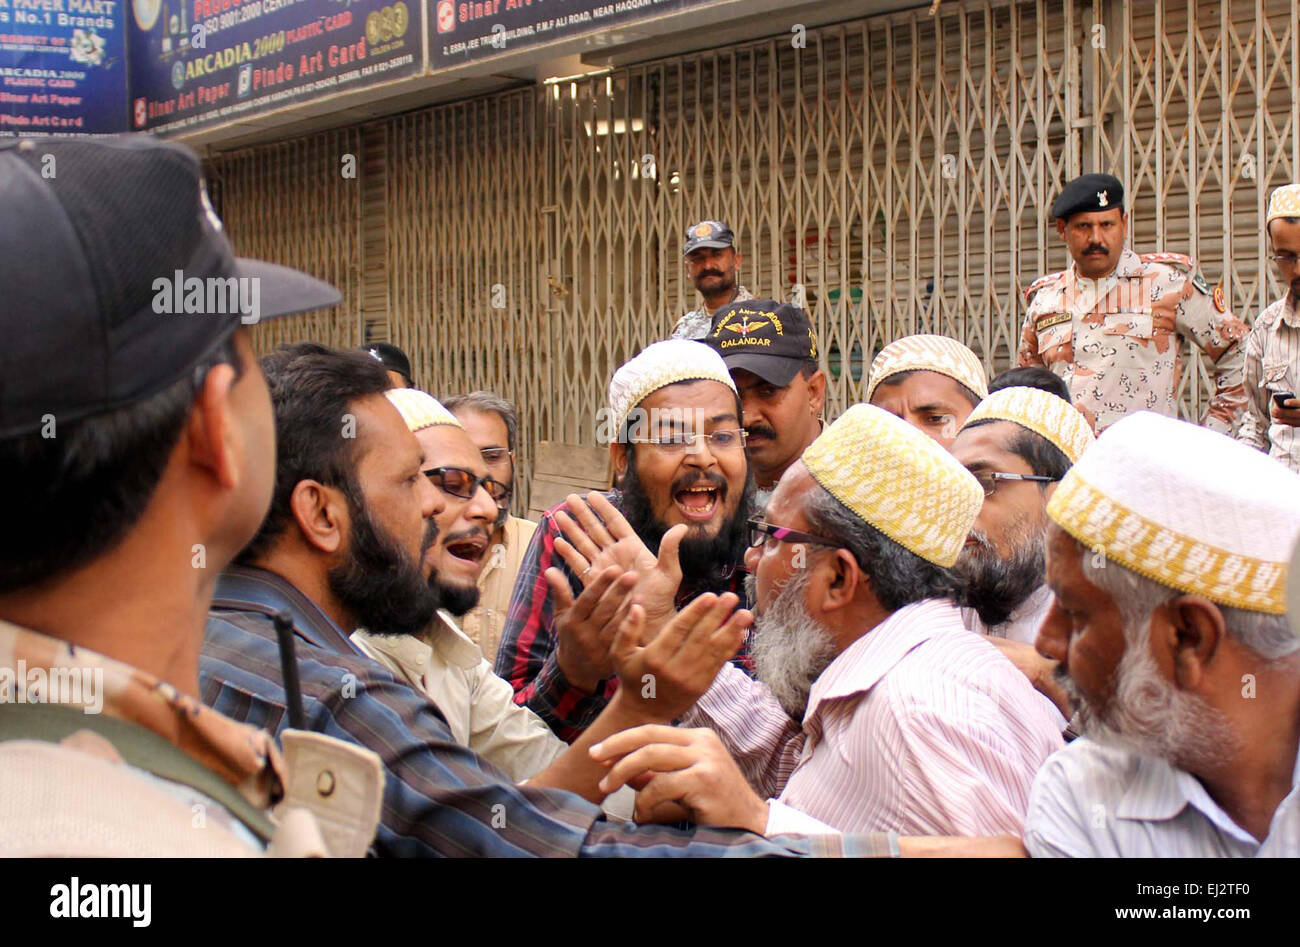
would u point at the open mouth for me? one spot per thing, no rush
(698, 502)
(468, 548)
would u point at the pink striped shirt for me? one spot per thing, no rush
(918, 727)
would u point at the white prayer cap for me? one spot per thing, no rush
(929, 353)
(420, 409)
(1283, 202)
(1186, 507)
(1042, 412)
(663, 363)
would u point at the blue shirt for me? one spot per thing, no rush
(440, 798)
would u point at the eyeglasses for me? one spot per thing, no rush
(765, 534)
(988, 479)
(496, 456)
(458, 482)
(1282, 258)
(677, 443)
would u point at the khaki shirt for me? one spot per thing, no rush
(485, 622)
(1272, 365)
(479, 707)
(696, 323)
(1117, 340)
(146, 814)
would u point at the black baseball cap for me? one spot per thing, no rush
(393, 358)
(1090, 192)
(771, 339)
(117, 278)
(708, 233)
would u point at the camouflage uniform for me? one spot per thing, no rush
(1272, 365)
(696, 323)
(1116, 342)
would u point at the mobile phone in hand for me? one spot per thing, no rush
(1281, 397)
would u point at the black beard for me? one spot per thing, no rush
(995, 587)
(707, 562)
(378, 582)
(457, 599)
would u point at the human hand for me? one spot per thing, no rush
(679, 769)
(585, 629)
(665, 676)
(1289, 415)
(1039, 670)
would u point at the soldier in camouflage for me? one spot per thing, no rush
(1112, 324)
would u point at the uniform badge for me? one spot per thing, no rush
(1220, 300)
(1103, 198)
(703, 230)
(1199, 282)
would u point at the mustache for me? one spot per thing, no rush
(980, 540)
(1095, 248)
(453, 538)
(759, 430)
(705, 273)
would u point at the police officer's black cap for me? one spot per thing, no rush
(88, 228)
(771, 339)
(393, 358)
(708, 233)
(1091, 192)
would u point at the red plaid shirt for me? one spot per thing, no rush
(527, 654)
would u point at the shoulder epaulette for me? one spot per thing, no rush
(1176, 259)
(1039, 283)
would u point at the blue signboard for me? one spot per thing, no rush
(62, 67)
(201, 61)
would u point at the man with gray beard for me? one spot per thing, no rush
(1169, 623)
(909, 723)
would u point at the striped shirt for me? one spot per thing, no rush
(918, 727)
(1093, 801)
(1272, 365)
(440, 798)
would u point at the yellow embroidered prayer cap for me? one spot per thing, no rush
(929, 353)
(1042, 412)
(898, 480)
(1283, 202)
(420, 409)
(661, 364)
(1186, 507)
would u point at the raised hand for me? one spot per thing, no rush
(597, 535)
(585, 629)
(666, 675)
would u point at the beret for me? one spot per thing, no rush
(1091, 192)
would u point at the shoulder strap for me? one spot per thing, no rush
(138, 746)
(1039, 283)
(1174, 259)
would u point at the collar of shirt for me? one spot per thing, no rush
(243, 585)
(862, 664)
(240, 754)
(443, 637)
(1159, 792)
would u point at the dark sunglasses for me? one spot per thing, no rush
(459, 482)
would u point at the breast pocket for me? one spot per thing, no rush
(1130, 334)
(1274, 377)
(1055, 337)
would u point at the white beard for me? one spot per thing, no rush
(1148, 715)
(791, 648)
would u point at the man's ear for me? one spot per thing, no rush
(1196, 635)
(321, 514)
(618, 454)
(211, 432)
(817, 392)
(1060, 227)
(843, 577)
